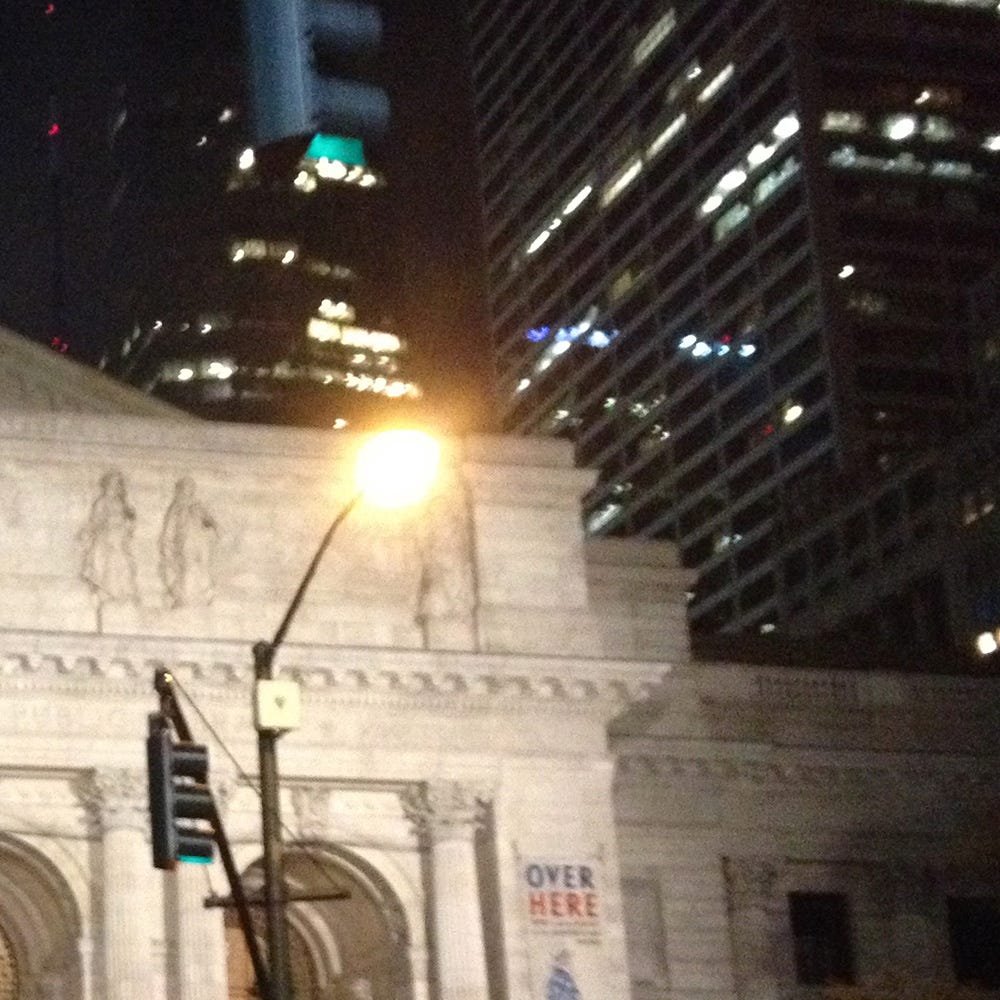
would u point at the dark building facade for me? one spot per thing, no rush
(731, 248)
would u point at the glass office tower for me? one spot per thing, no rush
(264, 279)
(730, 246)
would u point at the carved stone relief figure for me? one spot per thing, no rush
(108, 563)
(187, 549)
(447, 584)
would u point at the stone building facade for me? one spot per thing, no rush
(506, 754)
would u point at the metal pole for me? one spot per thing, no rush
(170, 706)
(274, 859)
(275, 895)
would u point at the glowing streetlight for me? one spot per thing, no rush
(396, 468)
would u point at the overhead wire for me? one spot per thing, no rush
(249, 782)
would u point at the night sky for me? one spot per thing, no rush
(60, 77)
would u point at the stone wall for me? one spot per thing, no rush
(744, 784)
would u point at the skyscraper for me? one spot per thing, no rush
(731, 246)
(277, 294)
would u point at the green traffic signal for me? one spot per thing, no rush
(181, 808)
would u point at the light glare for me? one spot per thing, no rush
(396, 468)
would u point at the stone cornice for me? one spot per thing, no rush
(959, 774)
(44, 661)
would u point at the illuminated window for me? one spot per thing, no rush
(214, 369)
(868, 303)
(732, 179)
(305, 181)
(257, 249)
(760, 153)
(220, 369)
(327, 332)
(667, 135)
(622, 285)
(990, 5)
(986, 642)
(578, 199)
(843, 121)
(538, 242)
(731, 219)
(775, 179)
(899, 127)
(654, 38)
(712, 203)
(331, 310)
(992, 143)
(786, 127)
(952, 169)
(938, 129)
(621, 180)
(602, 517)
(716, 84)
(792, 411)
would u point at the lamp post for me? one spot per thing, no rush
(394, 469)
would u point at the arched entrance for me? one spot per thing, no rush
(10, 987)
(39, 928)
(348, 949)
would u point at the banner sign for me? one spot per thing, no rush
(563, 897)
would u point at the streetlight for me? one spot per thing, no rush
(394, 469)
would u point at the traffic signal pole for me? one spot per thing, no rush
(171, 709)
(275, 896)
(274, 867)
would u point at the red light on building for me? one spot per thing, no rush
(54, 129)
(50, 9)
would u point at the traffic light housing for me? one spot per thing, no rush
(307, 63)
(181, 808)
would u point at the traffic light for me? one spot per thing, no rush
(308, 60)
(180, 802)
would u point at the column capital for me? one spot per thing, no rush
(446, 810)
(311, 804)
(116, 798)
(752, 882)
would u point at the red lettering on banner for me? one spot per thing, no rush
(591, 904)
(537, 904)
(573, 908)
(555, 903)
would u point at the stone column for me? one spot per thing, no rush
(199, 937)
(196, 934)
(760, 929)
(447, 814)
(120, 800)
